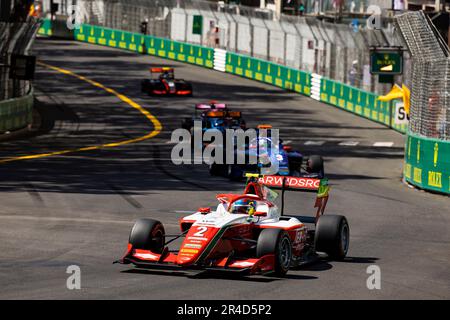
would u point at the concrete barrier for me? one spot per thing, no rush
(16, 113)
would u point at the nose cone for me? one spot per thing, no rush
(199, 242)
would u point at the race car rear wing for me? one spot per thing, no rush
(291, 183)
(205, 106)
(288, 183)
(162, 69)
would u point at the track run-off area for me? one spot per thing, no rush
(75, 204)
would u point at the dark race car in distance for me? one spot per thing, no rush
(165, 84)
(215, 115)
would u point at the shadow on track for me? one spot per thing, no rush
(221, 275)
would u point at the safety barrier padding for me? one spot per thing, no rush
(155, 46)
(427, 163)
(360, 102)
(16, 113)
(269, 72)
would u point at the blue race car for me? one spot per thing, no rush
(290, 162)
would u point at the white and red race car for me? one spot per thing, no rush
(247, 233)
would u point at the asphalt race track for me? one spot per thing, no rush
(78, 208)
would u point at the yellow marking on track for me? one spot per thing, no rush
(156, 124)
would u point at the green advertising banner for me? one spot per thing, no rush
(427, 163)
(386, 62)
(268, 72)
(136, 42)
(360, 102)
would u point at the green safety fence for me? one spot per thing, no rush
(360, 102)
(427, 163)
(146, 44)
(269, 72)
(16, 113)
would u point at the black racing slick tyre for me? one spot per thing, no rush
(314, 164)
(277, 242)
(332, 236)
(148, 234)
(145, 86)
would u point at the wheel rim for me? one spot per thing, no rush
(285, 253)
(344, 237)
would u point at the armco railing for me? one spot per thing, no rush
(427, 162)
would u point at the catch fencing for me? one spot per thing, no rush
(430, 101)
(15, 38)
(16, 99)
(427, 154)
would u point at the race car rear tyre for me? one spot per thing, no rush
(148, 234)
(277, 242)
(314, 164)
(332, 236)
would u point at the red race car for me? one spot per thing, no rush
(247, 233)
(165, 84)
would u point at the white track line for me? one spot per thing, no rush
(314, 143)
(383, 144)
(348, 143)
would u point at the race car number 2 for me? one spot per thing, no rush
(200, 231)
(246, 309)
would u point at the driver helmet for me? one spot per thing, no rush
(165, 75)
(244, 206)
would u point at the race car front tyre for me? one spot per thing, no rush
(148, 234)
(277, 242)
(332, 236)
